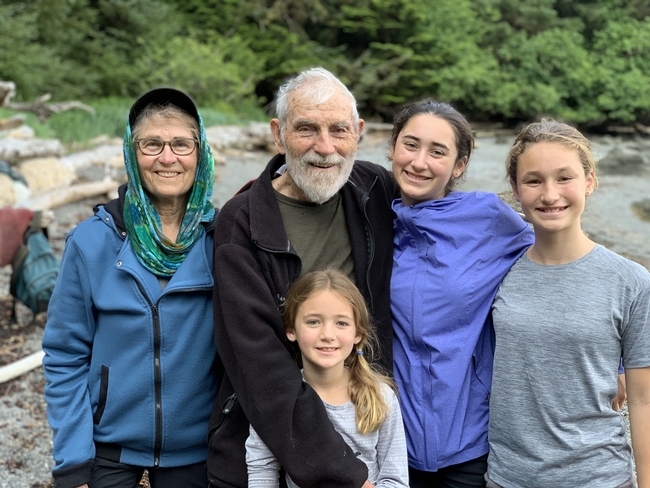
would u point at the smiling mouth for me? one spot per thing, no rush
(327, 349)
(322, 165)
(551, 210)
(167, 174)
(416, 177)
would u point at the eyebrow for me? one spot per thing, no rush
(433, 143)
(319, 315)
(307, 123)
(563, 169)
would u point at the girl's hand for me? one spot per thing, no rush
(368, 484)
(621, 395)
(82, 486)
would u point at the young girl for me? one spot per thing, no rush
(451, 251)
(564, 315)
(325, 314)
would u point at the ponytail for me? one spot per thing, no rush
(365, 390)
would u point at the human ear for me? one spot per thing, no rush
(515, 191)
(276, 130)
(360, 127)
(459, 168)
(590, 183)
(291, 335)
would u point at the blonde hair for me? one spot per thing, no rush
(371, 408)
(549, 130)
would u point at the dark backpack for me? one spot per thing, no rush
(35, 269)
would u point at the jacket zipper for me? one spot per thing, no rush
(157, 374)
(371, 244)
(157, 386)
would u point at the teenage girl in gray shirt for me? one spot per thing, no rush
(564, 315)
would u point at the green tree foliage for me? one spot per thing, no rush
(623, 51)
(585, 61)
(82, 48)
(34, 67)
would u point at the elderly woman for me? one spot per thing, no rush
(130, 356)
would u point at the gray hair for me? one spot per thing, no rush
(316, 84)
(166, 112)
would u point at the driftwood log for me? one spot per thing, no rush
(39, 107)
(16, 150)
(63, 196)
(22, 366)
(12, 122)
(43, 110)
(7, 92)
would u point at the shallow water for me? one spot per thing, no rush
(611, 217)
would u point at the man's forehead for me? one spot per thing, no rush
(337, 108)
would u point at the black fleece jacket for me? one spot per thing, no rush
(254, 266)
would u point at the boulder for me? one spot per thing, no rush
(44, 174)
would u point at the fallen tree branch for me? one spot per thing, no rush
(7, 92)
(43, 110)
(22, 366)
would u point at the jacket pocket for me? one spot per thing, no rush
(226, 410)
(103, 393)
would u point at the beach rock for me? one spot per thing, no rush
(44, 174)
(628, 159)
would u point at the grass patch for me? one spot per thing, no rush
(109, 119)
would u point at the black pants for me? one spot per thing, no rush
(469, 474)
(109, 474)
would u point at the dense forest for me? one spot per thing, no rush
(584, 61)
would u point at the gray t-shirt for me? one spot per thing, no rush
(560, 333)
(318, 233)
(383, 451)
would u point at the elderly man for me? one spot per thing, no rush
(313, 207)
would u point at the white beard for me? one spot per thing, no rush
(319, 186)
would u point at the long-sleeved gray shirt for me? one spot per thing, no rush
(383, 451)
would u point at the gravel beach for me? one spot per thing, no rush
(25, 437)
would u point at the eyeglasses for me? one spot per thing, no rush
(154, 146)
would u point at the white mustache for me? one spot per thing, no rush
(312, 157)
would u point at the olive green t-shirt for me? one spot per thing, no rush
(318, 233)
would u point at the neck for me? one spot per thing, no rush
(171, 216)
(331, 384)
(553, 248)
(284, 184)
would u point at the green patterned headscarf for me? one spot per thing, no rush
(143, 226)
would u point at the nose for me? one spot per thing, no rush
(327, 332)
(419, 161)
(324, 144)
(549, 193)
(167, 155)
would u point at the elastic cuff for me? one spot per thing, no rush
(73, 476)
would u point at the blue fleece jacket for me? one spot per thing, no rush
(126, 362)
(449, 258)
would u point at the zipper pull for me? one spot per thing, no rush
(230, 402)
